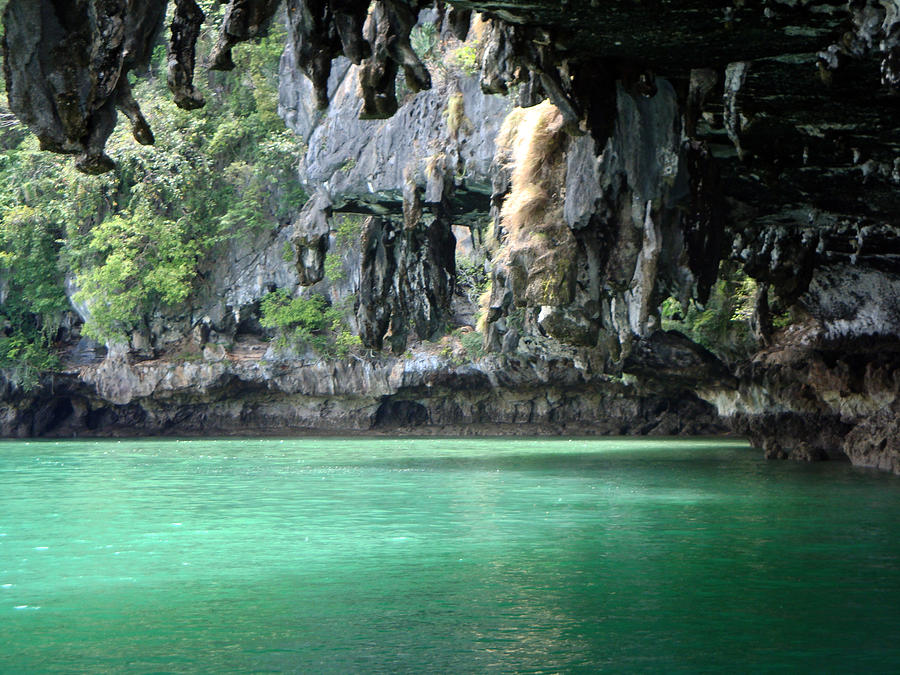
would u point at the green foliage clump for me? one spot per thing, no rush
(723, 325)
(307, 321)
(147, 262)
(424, 41)
(471, 279)
(445, 59)
(348, 229)
(346, 342)
(473, 344)
(465, 57)
(31, 296)
(334, 268)
(302, 315)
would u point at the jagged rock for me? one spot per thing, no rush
(875, 442)
(183, 34)
(235, 282)
(252, 396)
(244, 19)
(815, 401)
(567, 325)
(375, 299)
(66, 70)
(804, 452)
(458, 21)
(671, 357)
(628, 238)
(406, 281)
(737, 122)
(314, 43)
(311, 239)
(852, 302)
(499, 63)
(387, 30)
(364, 165)
(772, 449)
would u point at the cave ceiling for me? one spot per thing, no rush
(797, 100)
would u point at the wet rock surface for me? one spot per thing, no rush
(428, 394)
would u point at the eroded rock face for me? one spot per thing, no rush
(406, 281)
(875, 442)
(592, 266)
(679, 133)
(811, 398)
(66, 67)
(424, 395)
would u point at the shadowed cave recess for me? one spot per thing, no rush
(571, 217)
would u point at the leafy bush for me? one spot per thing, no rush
(308, 321)
(303, 315)
(423, 40)
(334, 268)
(147, 262)
(31, 296)
(465, 58)
(346, 342)
(348, 229)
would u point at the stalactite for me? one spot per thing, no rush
(184, 30)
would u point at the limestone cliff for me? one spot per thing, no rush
(605, 159)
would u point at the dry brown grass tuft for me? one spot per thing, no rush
(484, 303)
(532, 139)
(539, 249)
(455, 114)
(479, 28)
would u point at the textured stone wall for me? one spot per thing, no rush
(683, 133)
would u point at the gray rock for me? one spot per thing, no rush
(852, 302)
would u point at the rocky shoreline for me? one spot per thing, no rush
(499, 395)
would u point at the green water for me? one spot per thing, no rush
(384, 555)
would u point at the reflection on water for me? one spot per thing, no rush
(441, 555)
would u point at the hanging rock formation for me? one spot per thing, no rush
(674, 136)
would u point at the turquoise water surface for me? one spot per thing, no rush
(442, 555)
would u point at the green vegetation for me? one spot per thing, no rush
(423, 40)
(31, 297)
(723, 325)
(465, 58)
(473, 344)
(334, 268)
(347, 231)
(307, 321)
(471, 279)
(445, 57)
(137, 239)
(303, 316)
